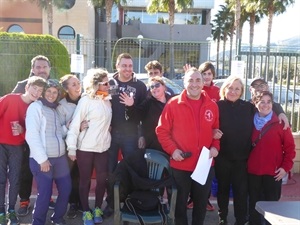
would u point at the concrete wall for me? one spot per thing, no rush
(296, 168)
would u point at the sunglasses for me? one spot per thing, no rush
(104, 83)
(157, 85)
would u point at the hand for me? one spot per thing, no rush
(177, 155)
(45, 166)
(142, 142)
(282, 118)
(280, 174)
(84, 125)
(213, 152)
(72, 157)
(126, 99)
(217, 134)
(186, 67)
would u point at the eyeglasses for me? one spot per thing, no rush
(104, 83)
(157, 85)
(262, 85)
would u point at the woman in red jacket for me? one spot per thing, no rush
(271, 157)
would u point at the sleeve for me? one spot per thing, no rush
(164, 130)
(80, 114)
(62, 118)
(33, 133)
(289, 152)
(277, 108)
(216, 142)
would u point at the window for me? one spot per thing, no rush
(15, 28)
(65, 4)
(66, 32)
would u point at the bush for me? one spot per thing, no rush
(16, 52)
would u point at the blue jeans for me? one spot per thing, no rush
(60, 173)
(128, 143)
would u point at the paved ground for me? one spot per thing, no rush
(290, 192)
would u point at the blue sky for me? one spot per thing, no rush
(285, 25)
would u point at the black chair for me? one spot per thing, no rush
(157, 164)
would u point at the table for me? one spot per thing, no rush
(280, 213)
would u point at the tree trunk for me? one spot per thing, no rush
(108, 5)
(49, 10)
(171, 23)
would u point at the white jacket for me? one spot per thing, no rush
(96, 138)
(38, 119)
(65, 111)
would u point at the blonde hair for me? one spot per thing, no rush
(92, 79)
(228, 82)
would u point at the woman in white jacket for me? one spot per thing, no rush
(89, 146)
(48, 160)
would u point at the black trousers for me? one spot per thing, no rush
(74, 172)
(26, 176)
(262, 188)
(185, 185)
(232, 172)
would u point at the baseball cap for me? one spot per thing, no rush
(262, 80)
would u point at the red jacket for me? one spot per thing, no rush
(12, 108)
(177, 129)
(275, 149)
(213, 92)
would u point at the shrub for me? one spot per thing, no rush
(16, 52)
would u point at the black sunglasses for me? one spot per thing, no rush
(157, 85)
(104, 83)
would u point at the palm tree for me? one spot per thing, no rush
(108, 4)
(217, 34)
(170, 6)
(273, 7)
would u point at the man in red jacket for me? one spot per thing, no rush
(186, 125)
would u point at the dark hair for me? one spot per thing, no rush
(257, 97)
(40, 57)
(153, 65)
(206, 66)
(53, 83)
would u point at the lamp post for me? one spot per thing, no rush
(140, 37)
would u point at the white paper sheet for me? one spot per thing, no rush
(203, 166)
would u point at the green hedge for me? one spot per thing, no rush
(16, 52)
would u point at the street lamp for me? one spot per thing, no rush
(140, 37)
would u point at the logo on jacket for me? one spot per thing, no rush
(208, 115)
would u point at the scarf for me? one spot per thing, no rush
(52, 105)
(260, 122)
(72, 101)
(104, 93)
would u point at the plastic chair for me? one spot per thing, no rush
(157, 163)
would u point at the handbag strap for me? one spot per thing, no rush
(262, 133)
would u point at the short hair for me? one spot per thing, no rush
(157, 79)
(123, 56)
(65, 79)
(38, 81)
(153, 65)
(228, 82)
(40, 57)
(256, 98)
(206, 66)
(92, 79)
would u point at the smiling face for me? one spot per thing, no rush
(264, 105)
(157, 89)
(73, 88)
(104, 85)
(234, 91)
(41, 68)
(33, 92)
(193, 83)
(51, 94)
(125, 69)
(207, 77)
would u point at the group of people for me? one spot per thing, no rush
(53, 131)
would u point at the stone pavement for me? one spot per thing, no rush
(290, 192)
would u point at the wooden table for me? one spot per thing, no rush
(280, 213)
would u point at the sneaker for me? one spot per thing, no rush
(98, 215)
(2, 219)
(107, 212)
(223, 222)
(209, 206)
(12, 217)
(87, 218)
(72, 212)
(51, 204)
(24, 208)
(190, 205)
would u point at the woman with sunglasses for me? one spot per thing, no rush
(148, 111)
(89, 146)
